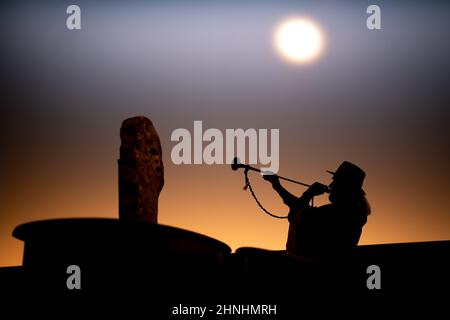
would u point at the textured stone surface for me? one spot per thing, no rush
(141, 171)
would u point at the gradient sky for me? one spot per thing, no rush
(379, 99)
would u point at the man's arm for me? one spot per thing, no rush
(289, 199)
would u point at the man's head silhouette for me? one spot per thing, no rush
(348, 180)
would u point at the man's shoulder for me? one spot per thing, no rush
(327, 211)
(322, 211)
(327, 207)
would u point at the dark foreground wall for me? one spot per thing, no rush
(159, 270)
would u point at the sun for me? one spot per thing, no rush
(299, 40)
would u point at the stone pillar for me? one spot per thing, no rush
(141, 171)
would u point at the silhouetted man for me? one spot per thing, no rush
(328, 233)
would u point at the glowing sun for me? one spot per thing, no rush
(299, 40)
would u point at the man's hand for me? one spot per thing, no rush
(316, 189)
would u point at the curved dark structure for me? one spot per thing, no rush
(152, 268)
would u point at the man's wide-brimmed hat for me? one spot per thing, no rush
(350, 173)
